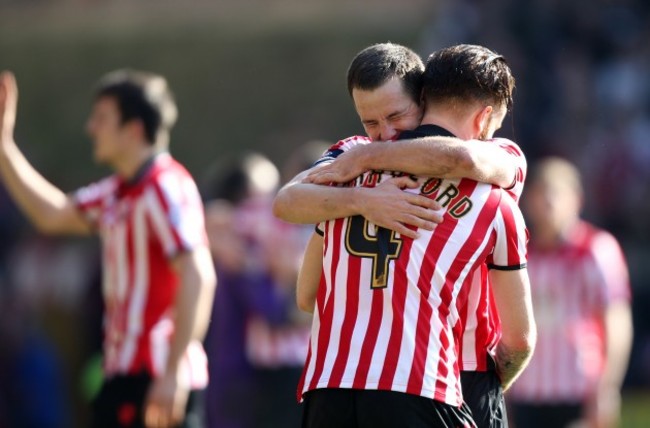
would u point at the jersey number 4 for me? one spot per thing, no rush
(382, 246)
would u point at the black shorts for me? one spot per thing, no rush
(120, 403)
(483, 394)
(542, 416)
(354, 408)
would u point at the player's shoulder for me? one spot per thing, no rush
(97, 190)
(341, 147)
(350, 142)
(508, 145)
(596, 239)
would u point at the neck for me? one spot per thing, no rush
(450, 120)
(128, 166)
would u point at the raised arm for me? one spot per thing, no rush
(47, 207)
(385, 205)
(511, 291)
(444, 157)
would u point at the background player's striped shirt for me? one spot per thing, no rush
(480, 320)
(143, 224)
(387, 305)
(571, 289)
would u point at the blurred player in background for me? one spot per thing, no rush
(257, 340)
(158, 275)
(581, 299)
(383, 85)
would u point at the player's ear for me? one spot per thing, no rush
(136, 130)
(481, 119)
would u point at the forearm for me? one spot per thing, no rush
(193, 304)
(511, 293)
(618, 330)
(307, 203)
(39, 200)
(310, 274)
(510, 362)
(444, 157)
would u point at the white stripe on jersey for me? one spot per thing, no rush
(160, 222)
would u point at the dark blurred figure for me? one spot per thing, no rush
(581, 298)
(32, 387)
(257, 340)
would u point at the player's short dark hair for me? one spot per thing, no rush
(376, 64)
(468, 73)
(141, 96)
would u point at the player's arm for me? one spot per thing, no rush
(444, 157)
(47, 207)
(197, 280)
(511, 291)
(310, 274)
(616, 315)
(386, 205)
(604, 408)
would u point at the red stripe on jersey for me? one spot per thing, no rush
(370, 339)
(398, 301)
(327, 313)
(349, 320)
(508, 218)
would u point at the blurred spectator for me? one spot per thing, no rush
(581, 299)
(257, 340)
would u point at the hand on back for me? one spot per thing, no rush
(389, 205)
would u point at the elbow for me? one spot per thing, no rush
(281, 206)
(305, 304)
(522, 342)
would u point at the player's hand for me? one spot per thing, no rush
(8, 103)
(389, 206)
(165, 404)
(347, 166)
(604, 408)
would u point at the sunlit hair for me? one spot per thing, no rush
(142, 96)
(377, 64)
(466, 73)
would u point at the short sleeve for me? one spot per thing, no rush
(610, 262)
(176, 212)
(91, 199)
(521, 166)
(340, 147)
(511, 238)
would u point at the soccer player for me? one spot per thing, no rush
(158, 275)
(581, 300)
(385, 317)
(373, 82)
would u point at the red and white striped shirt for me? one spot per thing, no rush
(142, 225)
(480, 320)
(387, 309)
(572, 287)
